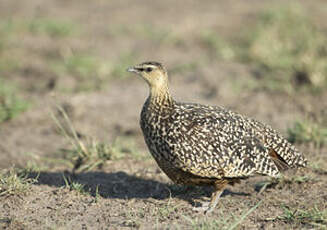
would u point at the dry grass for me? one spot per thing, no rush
(308, 131)
(90, 154)
(15, 182)
(288, 49)
(10, 104)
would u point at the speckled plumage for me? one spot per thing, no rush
(208, 145)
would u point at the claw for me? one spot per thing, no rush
(205, 207)
(202, 208)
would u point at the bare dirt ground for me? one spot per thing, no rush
(131, 191)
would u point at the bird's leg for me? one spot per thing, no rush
(208, 207)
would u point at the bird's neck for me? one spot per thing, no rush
(160, 99)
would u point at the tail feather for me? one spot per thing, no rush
(278, 160)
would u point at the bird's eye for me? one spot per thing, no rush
(149, 69)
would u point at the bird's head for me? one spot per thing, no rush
(153, 73)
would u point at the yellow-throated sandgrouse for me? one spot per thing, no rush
(207, 145)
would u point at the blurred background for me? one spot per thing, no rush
(67, 103)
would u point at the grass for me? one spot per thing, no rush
(286, 179)
(230, 222)
(147, 32)
(8, 62)
(75, 186)
(15, 182)
(10, 104)
(151, 32)
(91, 72)
(55, 28)
(118, 70)
(308, 132)
(294, 179)
(184, 67)
(88, 155)
(82, 65)
(51, 27)
(7, 30)
(288, 50)
(97, 195)
(216, 45)
(313, 216)
(285, 48)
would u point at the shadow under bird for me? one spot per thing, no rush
(205, 145)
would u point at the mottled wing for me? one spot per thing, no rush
(219, 143)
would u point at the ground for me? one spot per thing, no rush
(72, 152)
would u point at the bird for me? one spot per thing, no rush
(205, 145)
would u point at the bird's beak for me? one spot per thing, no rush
(133, 70)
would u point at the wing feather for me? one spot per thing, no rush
(219, 143)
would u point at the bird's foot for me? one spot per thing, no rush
(205, 207)
(208, 207)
